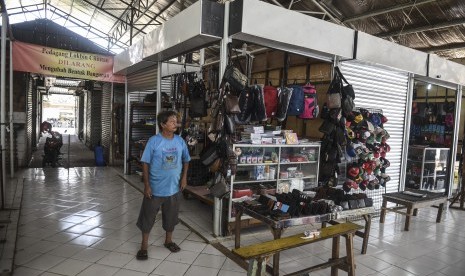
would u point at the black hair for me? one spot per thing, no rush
(163, 117)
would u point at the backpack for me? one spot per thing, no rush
(271, 100)
(311, 109)
(296, 104)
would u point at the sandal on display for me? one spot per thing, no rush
(173, 247)
(142, 255)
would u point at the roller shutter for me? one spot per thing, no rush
(96, 117)
(145, 79)
(106, 119)
(29, 118)
(380, 88)
(88, 111)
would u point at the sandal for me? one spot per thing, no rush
(142, 255)
(173, 247)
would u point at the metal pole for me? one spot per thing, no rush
(159, 71)
(110, 158)
(218, 203)
(2, 97)
(455, 139)
(12, 157)
(407, 123)
(126, 127)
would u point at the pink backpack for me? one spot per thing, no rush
(311, 109)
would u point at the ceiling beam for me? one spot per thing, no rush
(159, 13)
(385, 10)
(107, 13)
(412, 30)
(442, 48)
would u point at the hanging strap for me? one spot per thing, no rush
(340, 74)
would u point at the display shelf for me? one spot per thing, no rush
(276, 152)
(293, 163)
(256, 164)
(305, 177)
(430, 174)
(254, 181)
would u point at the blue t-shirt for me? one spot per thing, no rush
(165, 158)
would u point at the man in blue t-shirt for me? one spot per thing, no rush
(165, 162)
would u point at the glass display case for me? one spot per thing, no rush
(273, 169)
(427, 168)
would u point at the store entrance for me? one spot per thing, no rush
(60, 112)
(431, 138)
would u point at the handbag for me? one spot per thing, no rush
(216, 165)
(209, 155)
(231, 104)
(235, 78)
(327, 127)
(333, 100)
(229, 124)
(219, 188)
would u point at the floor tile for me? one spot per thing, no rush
(90, 255)
(44, 262)
(70, 267)
(66, 250)
(183, 256)
(116, 259)
(85, 240)
(146, 266)
(171, 269)
(207, 260)
(126, 272)
(192, 246)
(201, 271)
(26, 271)
(230, 273)
(99, 270)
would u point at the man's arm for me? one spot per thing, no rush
(145, 172)
(183, 183)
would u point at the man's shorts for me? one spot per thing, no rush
(149, 210)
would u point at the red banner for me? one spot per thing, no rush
(58, 62)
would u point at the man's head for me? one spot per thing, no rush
(167, 120)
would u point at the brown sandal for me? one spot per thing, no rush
(142, 255)
(173, 247)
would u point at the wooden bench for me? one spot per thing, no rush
(412, 204)
(259, 253)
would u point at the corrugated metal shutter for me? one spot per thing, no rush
(81, 115)
(29, 118)
(142, 80)
(106, 119)
(379, 88)
(96, 117)
(88, 115)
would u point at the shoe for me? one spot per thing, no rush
(142, 255)
(173, 247)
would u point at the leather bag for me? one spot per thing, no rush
(235, 78)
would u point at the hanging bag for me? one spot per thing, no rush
(271, 100)
(296, 104)
(233, 75)
(311, 109)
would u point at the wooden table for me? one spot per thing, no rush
(259, 253)
(276, 226)
(350, 215)
(412, 203)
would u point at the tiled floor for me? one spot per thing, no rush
(83, 223)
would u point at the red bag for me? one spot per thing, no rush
(311, 109)
(271, 100)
